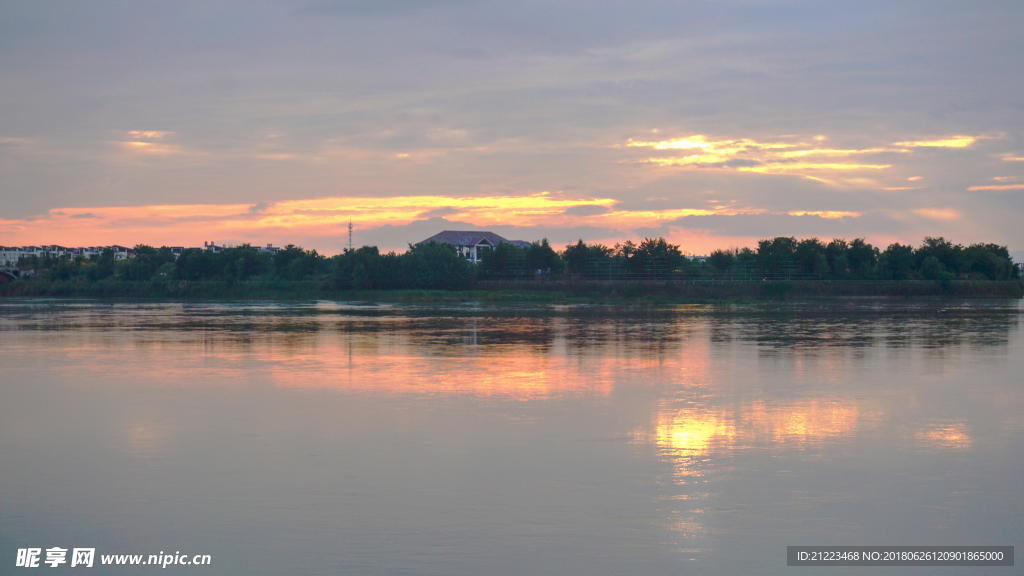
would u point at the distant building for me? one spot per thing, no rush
(472, 244)
(9, 255)
(122, 252)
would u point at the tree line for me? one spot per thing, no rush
(439, 266)
(934, 259)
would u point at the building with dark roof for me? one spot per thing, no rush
(472, 244)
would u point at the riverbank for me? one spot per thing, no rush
(608, 292)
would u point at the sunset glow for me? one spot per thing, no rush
(794, 158)
(1000, 187)
(192, 224)
(952, 142)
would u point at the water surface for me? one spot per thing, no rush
(328, 438)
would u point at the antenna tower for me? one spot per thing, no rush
(350, 235)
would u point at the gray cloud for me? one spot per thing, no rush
(447, 211)
(370, 7)
(586, 210)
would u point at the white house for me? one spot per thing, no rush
(9, 255)
(472, 244)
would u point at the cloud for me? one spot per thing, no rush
(827, 214)
(842, 167)
(951, 142)
(800, 167)
(15, 143)
(496, 100)
(312, 218)
(938, 213)
(444, 211)
(148, 134)
(150, 148)
(586, 210)
(325, 219)
(370, 7)
(1003, 187)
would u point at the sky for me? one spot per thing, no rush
(710, 123)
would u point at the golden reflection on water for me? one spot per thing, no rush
(443, 363)
(688, 436)
(518, 377)
(807, 420)
(949, 435)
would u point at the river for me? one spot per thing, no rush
(340, 438)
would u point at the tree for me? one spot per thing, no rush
(721, 260)
(104, 267)
(366, 269)
(242, 260)
(862, 257)
(542, 257)
(657, 253)
(932, 269)
(773, 254)
(624, 250)
(503, 260)
(576, 256)
(146, 262)
(436, 266)
(835, 253)
(809, 252)
(897, 262)
(284, 257)
(990, 261)
(948, 254)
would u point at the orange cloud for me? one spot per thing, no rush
(722, 147)
(326, 217)
(805, 166)
(937, 213)
(150, 134)
(951, 142)
(1002, 187)
(828, 214)
(831, 152)
(747, 155)
(150, 148)
(174, 225)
